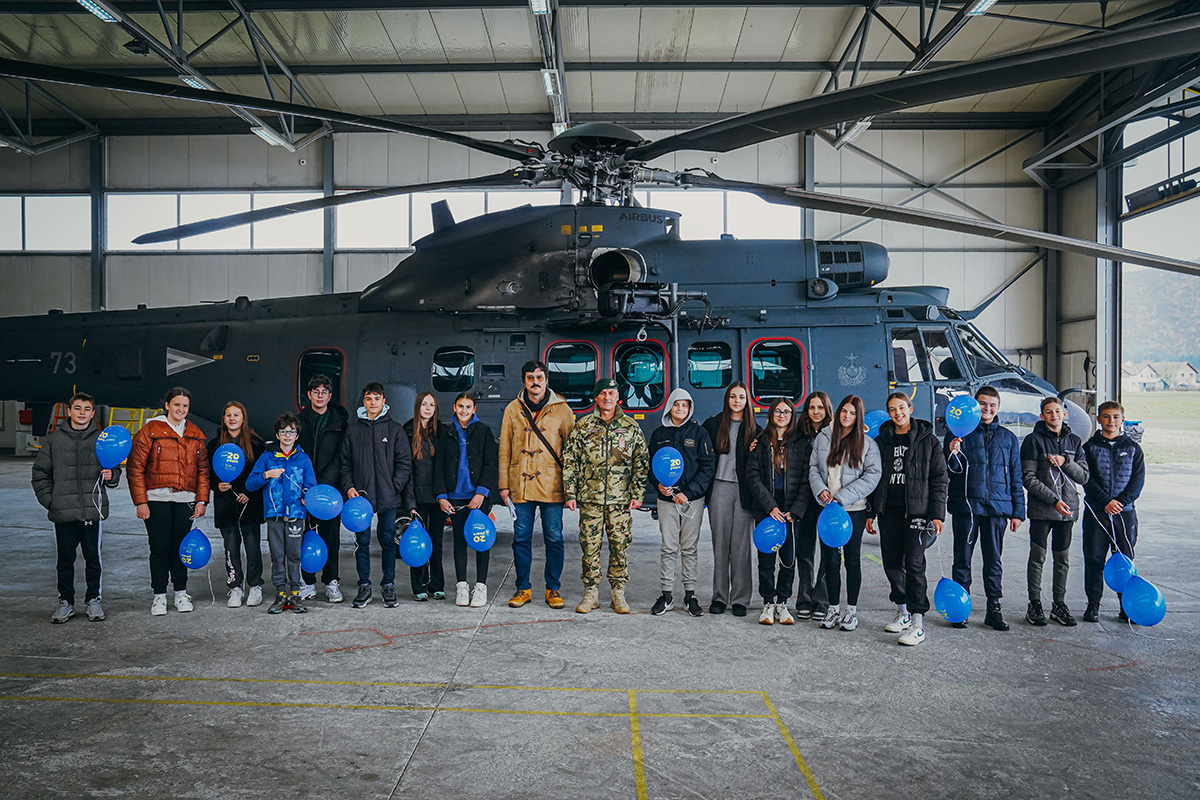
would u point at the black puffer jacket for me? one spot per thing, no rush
(376, 460)
(325, 454)
(1046, 483)
(760, 475)
(420, 489)
(926, 481)
(699, 462)
(65, 473)
(226, 509)
(483, 462)
(741, 450)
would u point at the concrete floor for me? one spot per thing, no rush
(432, 701)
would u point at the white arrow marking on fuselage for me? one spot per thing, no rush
(179, 361)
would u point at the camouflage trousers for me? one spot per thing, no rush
(594, 521)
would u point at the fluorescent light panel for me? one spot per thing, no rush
(980, 7)
(272, 138)
(550, 81)
(560, 127)
(98, 10)
(536, 6)
(193, 82)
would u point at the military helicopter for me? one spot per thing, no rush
(600, 288)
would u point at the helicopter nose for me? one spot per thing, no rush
(1081, 421)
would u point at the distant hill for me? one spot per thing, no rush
(1161, 317)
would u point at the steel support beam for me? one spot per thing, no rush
(1051, 285)
(329, 216)
(99, 217)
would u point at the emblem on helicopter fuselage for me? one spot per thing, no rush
(852, 372)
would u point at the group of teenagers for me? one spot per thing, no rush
(899, 484)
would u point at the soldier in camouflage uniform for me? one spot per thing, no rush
(605, 467)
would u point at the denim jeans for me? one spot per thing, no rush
(523, 542)
(385, 529)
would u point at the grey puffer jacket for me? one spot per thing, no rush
(65, 473)
(1047, 484)
(857, 482)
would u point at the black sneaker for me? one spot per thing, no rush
(994, 619)
(692, 605)
(804, 612)
(663, 604)
(279, 604)
(1035, 615)
(738, 610)
(962, 624)
(389, 595)
(1092, 613)
(1062, 615)
(716, 607)
(298, 605)
(363, 597)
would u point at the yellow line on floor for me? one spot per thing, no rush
(635, 733)
(791, 743)
(874, 558)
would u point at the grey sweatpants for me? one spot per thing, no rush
(680, 528)
(284, 537)
(732, 527)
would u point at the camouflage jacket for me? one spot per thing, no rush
(605, 463)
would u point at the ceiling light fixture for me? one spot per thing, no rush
(980, 7)
(560, 128)
(851, 133)
(98, 10)
(536, 6)
(272, 138)
(550, 81)
(195, 82)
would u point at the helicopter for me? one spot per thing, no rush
(601, 288)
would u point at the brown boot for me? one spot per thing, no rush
(519, 599)
(590, 601)
(618, 601)
(553, 598)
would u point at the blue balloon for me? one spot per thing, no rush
(480, 531)
(416, 547)
(769, 535)
(952, 601)
(194, 550)
(667, 465)
(228, 462)
(873, 419)
(323, 502)
(834, 525)
(1117, 571)
(962, 415)
(112, 446)
(1143, 602)
(313, 552)
(357, 514)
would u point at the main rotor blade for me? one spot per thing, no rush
(510, 178)
(97, 80)
(1154, 41)
(820, 201)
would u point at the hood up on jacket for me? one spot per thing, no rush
(678, 394)
(362, 413)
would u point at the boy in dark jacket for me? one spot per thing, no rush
(1052, 464)
(681, 505)
(1116, 475)
(986, 497)
(376, 462)
(322, 428)
(69, 482)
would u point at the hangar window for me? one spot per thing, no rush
(58, 222)
(640, 371)
(381, 223)
(325, 361)
(710, 365)
(776, 370)
(11, 223)
(573, 372)
(453, 369)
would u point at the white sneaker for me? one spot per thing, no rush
(782, 615)
(159, 607)
(830, 620)
(479, 596)
(462, 594)
(767, 617)
(333, 592)
(901, 623)
(912, 636)
(849, 620)
(183, 603)
(235, 597)
(307, 591)
(254, 598)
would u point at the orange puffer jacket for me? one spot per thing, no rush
(161, 459)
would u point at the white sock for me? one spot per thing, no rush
(918, 621)
(837, 609)
(852, 610)
(902, 608)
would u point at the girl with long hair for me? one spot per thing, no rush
(815, 415)
(237, 511)
(844, 469)
(424, 432)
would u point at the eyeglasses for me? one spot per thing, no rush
(289, 432)
(782, 412)
(320, 392)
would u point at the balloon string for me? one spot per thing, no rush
(779, 552)
(972, 535)
(97, 497)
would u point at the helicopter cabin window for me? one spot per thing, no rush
(908, 356)
(776, 370)
(984, 358)
(945, 367)
(640, 371)
(453, 369)
(319, 361)
(710, 365)
(573, 372)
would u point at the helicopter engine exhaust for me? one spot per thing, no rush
(617, 275)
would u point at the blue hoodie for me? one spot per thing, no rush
(284, 495)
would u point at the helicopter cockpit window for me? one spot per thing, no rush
(573, 372)
(324, 361)
(776, 370)
(985, 358)
(908, 357)
(640, 371)
(453, 369)
(710, 365)
(945, 367)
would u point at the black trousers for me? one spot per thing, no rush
(166, 527)
(831, 563)
(330, 531)
(246, 535)
(1098, 542)
(71, 537)
(904, 561)
(430, 577)
(459, 521)
(991, 532)
(775, 588)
